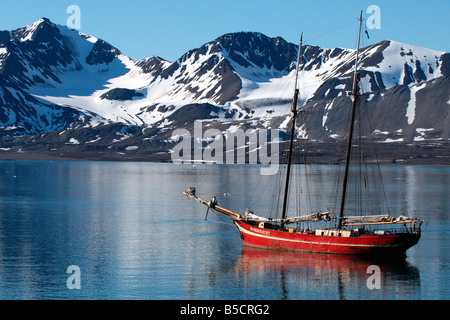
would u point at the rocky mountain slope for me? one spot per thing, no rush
(73, 93)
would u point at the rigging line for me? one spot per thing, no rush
(331, 31)
(252, 196)
(303, 186)
(359, 152)
(311, 184)
(371, 140)
(375, 150)
(223, 220)
(275, 192)
(280, 189)
(333, 202)
(280, 92)
(255, 198)
(260, 107)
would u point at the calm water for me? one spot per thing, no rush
(133, 235)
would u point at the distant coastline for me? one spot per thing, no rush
(426, 153)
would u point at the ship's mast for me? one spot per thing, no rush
(291, 142)
(354, 96)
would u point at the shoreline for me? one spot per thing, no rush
(165, 158)
(309, 151)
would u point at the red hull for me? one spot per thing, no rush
(365, 244)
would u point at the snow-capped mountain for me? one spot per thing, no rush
(63, 68)
(53, 78)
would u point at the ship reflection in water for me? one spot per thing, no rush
(328, 276)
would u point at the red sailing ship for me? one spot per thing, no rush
(355, 235)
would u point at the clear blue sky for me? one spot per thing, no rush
(169, 28)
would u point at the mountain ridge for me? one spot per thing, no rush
(66, 79)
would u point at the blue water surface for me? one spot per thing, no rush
(133, 235)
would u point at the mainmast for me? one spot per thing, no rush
(291, 142)
(354, 96)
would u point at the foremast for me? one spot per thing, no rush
(354, 96)
(291, 140)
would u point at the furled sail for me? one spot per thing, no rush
(317, 216)
(376, 219)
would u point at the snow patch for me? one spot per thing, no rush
(411, 109)
(324, 119)
(29, 30)
(73, 141)
(394, 140)
(95, 140)
(422, 133)
(302, 133)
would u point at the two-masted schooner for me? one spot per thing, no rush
(349, 235)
